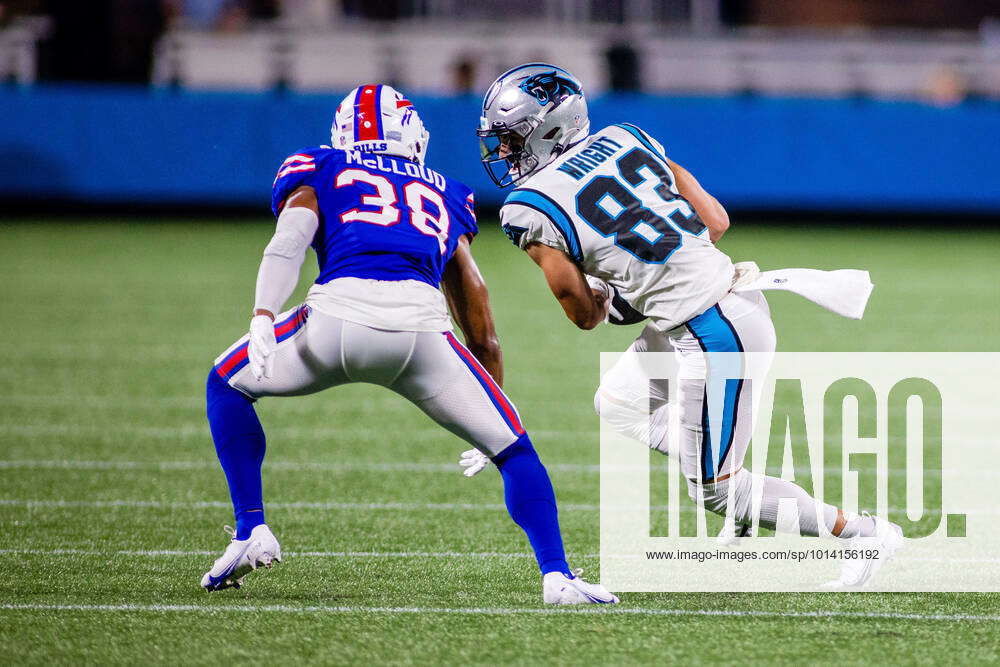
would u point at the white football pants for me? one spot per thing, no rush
(433, 370)
(716, 417)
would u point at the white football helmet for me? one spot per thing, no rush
(378, 119)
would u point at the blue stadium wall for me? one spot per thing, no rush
(98, 144)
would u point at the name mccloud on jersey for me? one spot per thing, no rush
(400, 167)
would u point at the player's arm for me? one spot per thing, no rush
(279, 268)
(711, 212)
(279, 273)
(585, 307)
(469, 301)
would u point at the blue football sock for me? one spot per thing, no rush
(239, 444)
(246, 521)
(531, 502)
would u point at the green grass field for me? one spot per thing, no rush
(111, 502)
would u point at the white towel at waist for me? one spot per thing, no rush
(844, 291)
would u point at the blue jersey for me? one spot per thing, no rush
(381, 217)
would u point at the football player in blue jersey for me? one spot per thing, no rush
(387, 231)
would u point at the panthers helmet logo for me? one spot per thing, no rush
(550, 87)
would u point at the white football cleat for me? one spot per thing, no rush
(557, 588)
(242, 557)
(856, 573)
(732, 533)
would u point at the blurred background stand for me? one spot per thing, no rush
(798, 87)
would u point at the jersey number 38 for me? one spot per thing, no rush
(385, 199)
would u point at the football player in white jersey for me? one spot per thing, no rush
(623, 233)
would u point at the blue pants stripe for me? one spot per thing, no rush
(715, 333)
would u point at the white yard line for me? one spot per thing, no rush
(404, 507)
(121, 402)
(200, 430)
(292, 466)
(167, 553)
(214, 465)
(157, 553)
(495, 611)
(305, 466)
(204, 504)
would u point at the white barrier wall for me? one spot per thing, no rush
(423, 58)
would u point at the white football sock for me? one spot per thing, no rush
(771, 491)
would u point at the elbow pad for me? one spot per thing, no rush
(294, 232)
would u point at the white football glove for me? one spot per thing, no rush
(260, 349)
(600, 286)
(473, 461)
(616, 309)
(745, 273)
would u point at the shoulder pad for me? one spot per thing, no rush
(296, 170)
(642, 137)
(551, 210)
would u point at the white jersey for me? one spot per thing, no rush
(611, 204)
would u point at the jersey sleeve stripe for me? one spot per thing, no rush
(554, 212)
(470, 205)
(298, 157)
(295, 168)
(306, 166)
(642, 138)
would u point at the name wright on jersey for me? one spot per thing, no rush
(591, 157)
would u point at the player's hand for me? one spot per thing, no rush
(620, 312)
(473, 461)
(261, 347)
(745, 273)
(616, 309)
(602, 294)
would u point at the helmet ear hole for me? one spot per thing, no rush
(551, 133)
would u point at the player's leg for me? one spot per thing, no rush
(713, 445)
(720, 353)
(634, 404)
(231, 391)
(306, 360)
(446, 381)
(716, 415)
